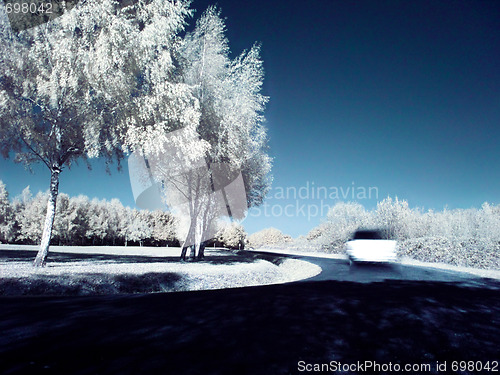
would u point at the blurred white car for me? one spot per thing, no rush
(370, 246)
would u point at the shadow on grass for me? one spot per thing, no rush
(89, 284)
(211, 257)
(24, 255)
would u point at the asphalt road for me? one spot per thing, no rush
(340, 270)
(376, 315)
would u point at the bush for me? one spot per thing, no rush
(232, 236)
(464, 237)
(466, 252)
(268, 237)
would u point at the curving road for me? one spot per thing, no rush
(379, 315)
(340, 270)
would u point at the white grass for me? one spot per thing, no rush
(492, 274)
(194, 275)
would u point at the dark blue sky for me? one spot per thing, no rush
(403, 96)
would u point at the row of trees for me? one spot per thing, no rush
(82, 221)
(402, 222)
(109, 78)
(465, 237)
(468, 237)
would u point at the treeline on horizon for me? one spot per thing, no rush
(83, 221)
(464, 237)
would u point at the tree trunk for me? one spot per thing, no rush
(193, 252)
(183, 253)
(187, 243)
(41, 257)
(201, 252)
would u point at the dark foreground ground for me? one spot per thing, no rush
(259, 330)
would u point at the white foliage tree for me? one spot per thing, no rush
(81, 221)
(468, 237)
(268, 237)
(50, 110)
(6, 216)
(232, 235)
(97, 221)
(62, 220)
(489, 223)
(342, 220)
(79, 212)
(163, 230)
(114, 210)
(393, 216)
(66, 87)
(139, 228)
(29, 215)
(231, 106)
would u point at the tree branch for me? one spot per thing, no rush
(70, 151)
(46, 162)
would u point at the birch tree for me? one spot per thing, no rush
(79, 219)
(139, 230)
(231, 123)
(6, 215)
(30, 212)
(163, 229)
(92, 83)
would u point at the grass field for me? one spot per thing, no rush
(112, 270)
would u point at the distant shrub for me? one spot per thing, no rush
(268, 237)
(466, 252)
(465, 237)
(232, 236)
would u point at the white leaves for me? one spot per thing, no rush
(229, 92)
(6, 216)
(268, 237)
(461, 236)
(30, 214)
(81, 221)
(209, 106)
(102, 79)
(4, 99)
(232, 235)
(107, 74)
(102, 75)
(206, 52)
(170, 107)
